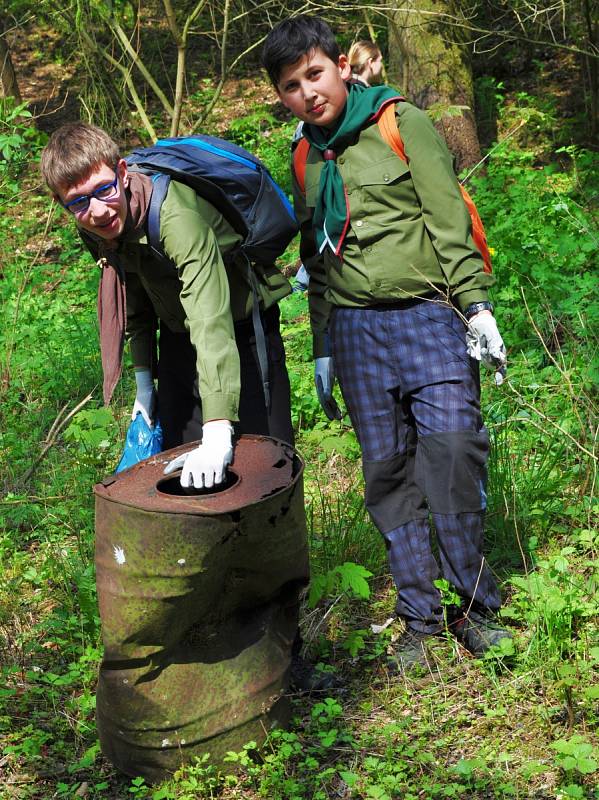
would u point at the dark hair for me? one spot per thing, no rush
(296, 37)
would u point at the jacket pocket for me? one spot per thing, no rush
(383, 172)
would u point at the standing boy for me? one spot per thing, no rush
(199, 299)
(393, 274)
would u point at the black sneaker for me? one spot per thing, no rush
(305, 677)
(479, 632)
(410, 651)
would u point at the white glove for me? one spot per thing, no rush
(484, 343)
(324, 378)
(206, 465)
(145, 399)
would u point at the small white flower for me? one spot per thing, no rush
(181, 561)
(165, 743)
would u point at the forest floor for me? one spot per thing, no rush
(519, 724)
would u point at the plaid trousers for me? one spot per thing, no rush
(413, 396)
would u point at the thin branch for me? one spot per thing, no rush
(224, 71)
(126, 77)
(554, 424)
(509, 134)
(137, 60)
(51, 438)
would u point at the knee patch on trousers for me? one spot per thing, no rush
(452, 470)
(391, 495)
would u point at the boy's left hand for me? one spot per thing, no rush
(206, 466)
(484, 343)
(324, 380)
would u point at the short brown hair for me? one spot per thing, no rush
(74, 151)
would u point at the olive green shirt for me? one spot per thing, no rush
(410, 233)
(203, 295)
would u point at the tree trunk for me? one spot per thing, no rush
(429, 61)
(591, 64)
(8, 79)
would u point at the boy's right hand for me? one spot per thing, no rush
(324, 378)
(145, 399)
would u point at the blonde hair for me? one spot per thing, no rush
(359, 54)
(74, 151)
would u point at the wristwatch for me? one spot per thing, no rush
(474, 308)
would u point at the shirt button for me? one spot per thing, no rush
(369, 249)
(359, 223)
(341, 160)
(385, 178)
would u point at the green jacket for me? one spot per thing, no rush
(410, 232)
(204, 295)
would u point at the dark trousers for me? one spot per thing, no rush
(179, 403)
(413, 396)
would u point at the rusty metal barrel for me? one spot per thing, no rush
(199, 598)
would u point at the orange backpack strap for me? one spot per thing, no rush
(300, 157)
(390, 132)
(478, 230)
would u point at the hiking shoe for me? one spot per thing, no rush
(305, 677)
(479, 632)
(409, 651)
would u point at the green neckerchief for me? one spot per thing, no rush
(331, 215)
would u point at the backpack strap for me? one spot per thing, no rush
(261, 349)
(390, 132)
(478, 230)
(160, 184)
(300, 157)
(389, 129)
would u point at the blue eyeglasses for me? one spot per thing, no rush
(104, 193)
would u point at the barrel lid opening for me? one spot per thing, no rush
(171, 486)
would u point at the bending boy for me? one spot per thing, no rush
(394, 273)
(200, 302)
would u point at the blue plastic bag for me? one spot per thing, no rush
(141, 442)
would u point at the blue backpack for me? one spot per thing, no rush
(240, 187)
(234, 181)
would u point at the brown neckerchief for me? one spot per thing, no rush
(112, 308)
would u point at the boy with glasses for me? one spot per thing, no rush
(209, 378)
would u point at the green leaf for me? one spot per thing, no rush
(353, 578)
(350, 778)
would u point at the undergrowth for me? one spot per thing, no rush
(521, 724)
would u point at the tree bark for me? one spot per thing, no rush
(8, 79)
(429, 61)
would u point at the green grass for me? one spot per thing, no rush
(523, 726)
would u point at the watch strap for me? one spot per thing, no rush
(475, 308)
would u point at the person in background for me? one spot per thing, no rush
(366, 62)
(400, 314)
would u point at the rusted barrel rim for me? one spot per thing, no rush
(264, 466)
